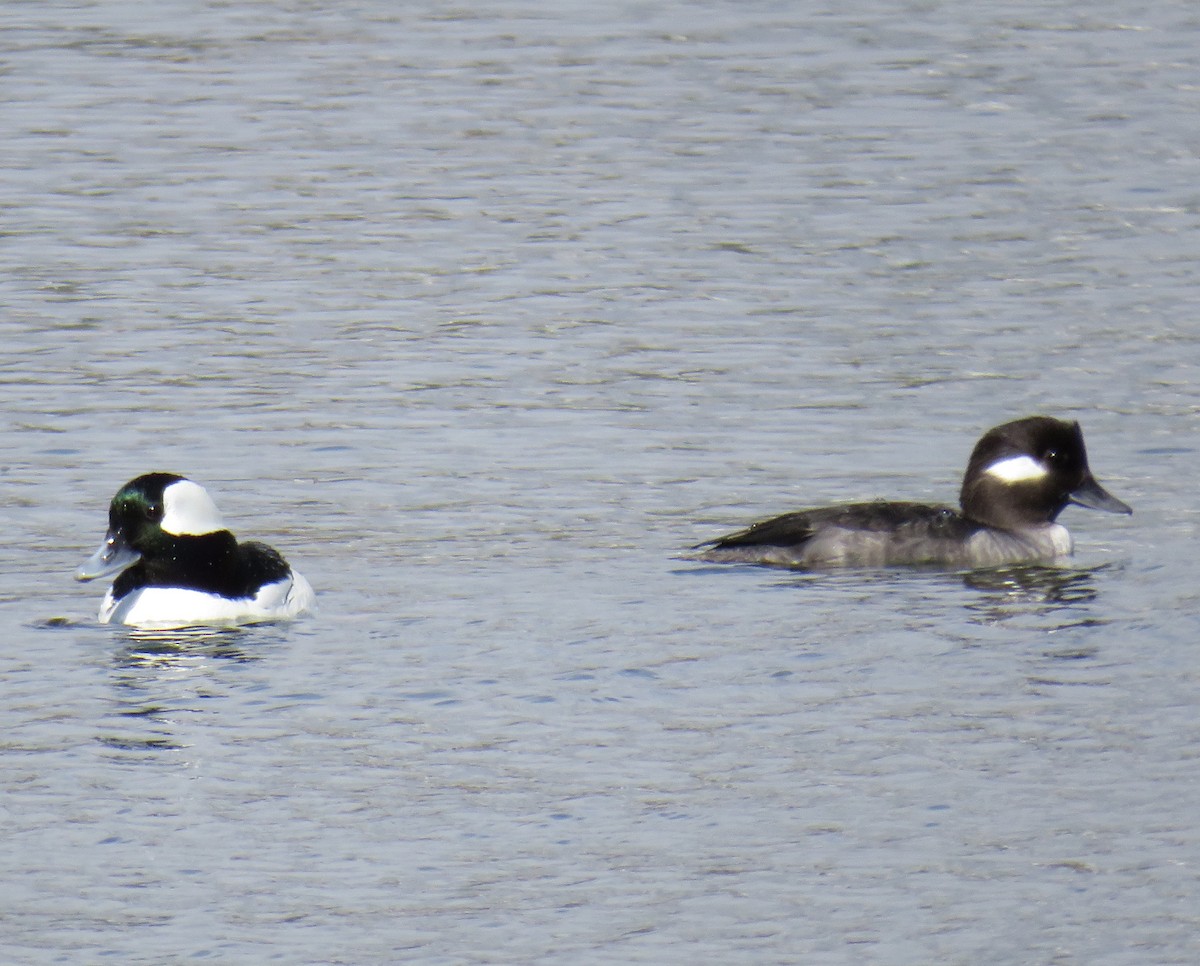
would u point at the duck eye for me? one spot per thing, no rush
(151, 511)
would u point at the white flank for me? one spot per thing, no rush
(1017, 469)
(173, 607)
(188, 510)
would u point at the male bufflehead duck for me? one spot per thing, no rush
(1020, 477)
(179, 566)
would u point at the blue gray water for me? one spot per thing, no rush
(482, 314)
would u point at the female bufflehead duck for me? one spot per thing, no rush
(1020, 477)
(179, 566)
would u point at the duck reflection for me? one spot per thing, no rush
(162, 676)
(146, 647)
(1008, 592)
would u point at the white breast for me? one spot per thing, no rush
(994, 548)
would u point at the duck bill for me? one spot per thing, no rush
(112, 556)
(1092, 495)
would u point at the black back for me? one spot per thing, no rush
(794, 529)
(213, 563)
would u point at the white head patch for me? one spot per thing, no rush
(188, 511)
(1017, 469)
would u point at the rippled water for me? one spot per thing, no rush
(482, 316)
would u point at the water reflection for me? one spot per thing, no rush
(161, 676)
(1028, 598)
(147, 647)
(1009, 592)
(1052, 584)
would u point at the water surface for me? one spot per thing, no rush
(484, 316)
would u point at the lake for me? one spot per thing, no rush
(483, 315)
